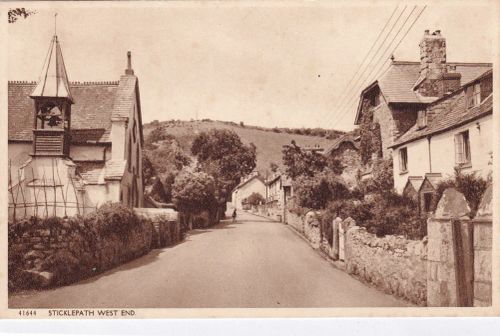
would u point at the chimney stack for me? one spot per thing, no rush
(129, 70)
(435, 80)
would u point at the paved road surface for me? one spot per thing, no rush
(251, 263)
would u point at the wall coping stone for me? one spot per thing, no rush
(452, 205)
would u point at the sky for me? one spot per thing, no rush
(270, 64)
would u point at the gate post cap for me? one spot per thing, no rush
(485, 210)
(452, 205)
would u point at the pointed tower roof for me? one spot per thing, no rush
(54, 79)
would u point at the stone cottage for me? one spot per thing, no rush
(72, 145)
(453, 132)
(253, 183)
(345, 150)
(390, 106)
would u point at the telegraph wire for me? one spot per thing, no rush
(344, 97)
(381, 73)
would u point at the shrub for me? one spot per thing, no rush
(254, 199)
(315, 192)
(388, 214)
(113, 218)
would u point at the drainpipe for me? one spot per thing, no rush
(429, 151)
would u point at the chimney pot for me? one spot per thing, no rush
(438, 32)
(426, 32)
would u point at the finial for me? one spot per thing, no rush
(392, 58)
(55, 24)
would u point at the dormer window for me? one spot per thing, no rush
(422, 119)
(473, 94)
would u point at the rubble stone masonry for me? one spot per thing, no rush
(391, 263)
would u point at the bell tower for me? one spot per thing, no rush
(52, 107)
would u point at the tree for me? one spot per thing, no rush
(222, 154)
(302, 163)
(254, 199)
(274, 167)
(167, 156)
(314, 192)
(16, 13)
(194, 192)
(148, 170)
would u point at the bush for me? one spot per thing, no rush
(388, 214)
(254, 199)
(315, 192)
(113, 218)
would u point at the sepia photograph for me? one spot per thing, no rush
(299, 157)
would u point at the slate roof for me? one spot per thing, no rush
(354, 140)
(91, 172)
(415, 182)
(397, 83)
(453, 114)
(114, 169)
(90, 114)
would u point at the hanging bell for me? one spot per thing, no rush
(54, 121)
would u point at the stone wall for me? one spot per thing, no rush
(312, 229)
(60, 251)
(391, 263)
(294, 221)
(166, 224)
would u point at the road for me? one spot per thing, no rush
(254, 263)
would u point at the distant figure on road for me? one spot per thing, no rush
(234, 215)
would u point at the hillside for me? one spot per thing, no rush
(268, 141)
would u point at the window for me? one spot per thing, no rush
(403, 160)
(375, 99)
(427, 202)
(422, 119)
(473, 94)
(462, 148)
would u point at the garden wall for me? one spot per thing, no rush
(57, 251)
(167, 228)
(294, 221)
(391, 263)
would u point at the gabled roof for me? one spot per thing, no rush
(348, 137)
(454, 113)
(397, 83)
(243, 183)
(53, 81)
(114, 169)
(431, 179)
(90, 114)
(415, 182)
(91, 172)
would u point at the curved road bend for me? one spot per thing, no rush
(253, 263)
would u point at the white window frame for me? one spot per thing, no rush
(462, 149)
(474, 95)
(403, 160)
